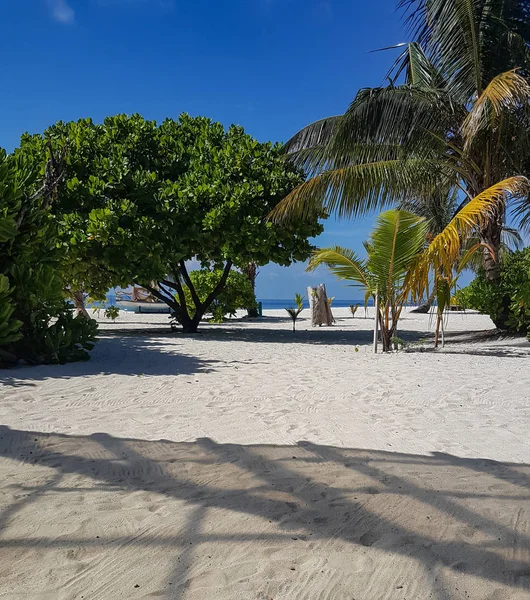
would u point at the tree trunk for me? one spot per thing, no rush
(251, 272)
(319, 306)
(79, 302)
(190, 324)
(386, 337)
(491, 235)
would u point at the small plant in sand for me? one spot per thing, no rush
(295, 312)
(353, 309)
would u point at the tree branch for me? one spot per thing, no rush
(177, 285)
(53, 173)
(189, 283)
(165, 299)
(220, 285)
(168, 293)
(170, 284)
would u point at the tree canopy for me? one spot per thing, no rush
(140, 199)
(452, 120)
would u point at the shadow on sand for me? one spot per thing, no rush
(139, 355)
(468, 526)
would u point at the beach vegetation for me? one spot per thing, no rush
(394, 245)
(294, 313)
(139, 200)
(451, 123)
(403, 260)
(509, 301)
(36, 322)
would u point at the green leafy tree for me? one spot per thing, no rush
(236, 294)
(139, 200)
(36, 324)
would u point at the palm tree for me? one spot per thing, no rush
(394, 245)
(458, 123)
(403, 257)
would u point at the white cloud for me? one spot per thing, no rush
(61, 11)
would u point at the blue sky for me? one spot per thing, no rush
(272, 66)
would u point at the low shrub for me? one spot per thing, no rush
(36, 323)
(506, 302)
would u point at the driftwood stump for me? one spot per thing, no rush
(319, 306)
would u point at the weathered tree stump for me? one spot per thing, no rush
(319, 306)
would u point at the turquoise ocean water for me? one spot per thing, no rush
(271, 303)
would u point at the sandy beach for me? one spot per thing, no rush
(251, 462)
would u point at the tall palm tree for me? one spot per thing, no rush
(457, 121)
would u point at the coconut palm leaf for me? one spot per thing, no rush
(397, 116)
(506, 91)
(511, 240)
(361, 188)
(396, 241)
(315, 134)
(446, 246)
(343, 263)
(453, 28)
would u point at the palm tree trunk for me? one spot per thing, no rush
(491, 235)
(251, 271)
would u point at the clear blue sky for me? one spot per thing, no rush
(272, 66)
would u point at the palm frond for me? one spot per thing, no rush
(396, 240)
(418, 68)
(315, 134)
(451, 31)
(506, 91)
(343, 263)
(445, 247)
(360, 188)
(521, 211)
(394, 116)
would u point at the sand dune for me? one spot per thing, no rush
(248, 462)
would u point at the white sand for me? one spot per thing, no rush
(250, 462)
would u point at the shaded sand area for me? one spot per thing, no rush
(248, 462)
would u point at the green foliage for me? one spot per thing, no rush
(36, 324)
(139, 199)
(112, 312)
(68, 339)
(294, 313)
(508, 302)
(394, 245)
(299, 300)
(236, 294)
(109, 312)
(449, 119)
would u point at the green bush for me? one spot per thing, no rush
(36, 324)
(507, 302)
(237, 293)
